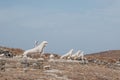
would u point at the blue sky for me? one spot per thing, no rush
(88, 25)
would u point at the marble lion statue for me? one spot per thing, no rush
(76, 55)
(38, 49)
(81, 56)
(67, 55)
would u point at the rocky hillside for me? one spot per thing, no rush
(14, 51)
(110, 56)
(100, 66)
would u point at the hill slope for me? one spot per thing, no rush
(14, 51)
(111, 55)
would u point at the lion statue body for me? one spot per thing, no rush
(38, 49)
(76, 55)
(67, 55)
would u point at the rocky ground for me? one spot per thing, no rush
(17, 68)
(59, 70)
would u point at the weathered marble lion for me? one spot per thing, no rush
(67, 55)
(38, 49)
